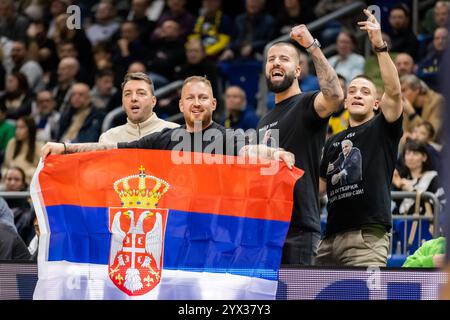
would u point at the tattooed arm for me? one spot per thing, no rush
(61, 148)
(331, 96)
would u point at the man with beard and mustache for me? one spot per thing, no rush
(359, 210)
(299, 122)
(197, 104)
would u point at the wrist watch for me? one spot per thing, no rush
(315, 44)
(383, 48)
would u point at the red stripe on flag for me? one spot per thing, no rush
(87, 179)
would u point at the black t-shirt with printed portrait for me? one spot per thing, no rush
(302, 132)
(359, 183)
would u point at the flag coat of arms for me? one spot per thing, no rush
(131, 224)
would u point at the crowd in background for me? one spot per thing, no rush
(58, 84)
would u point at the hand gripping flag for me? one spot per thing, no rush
(130, 224)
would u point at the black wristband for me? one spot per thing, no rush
(383, 48)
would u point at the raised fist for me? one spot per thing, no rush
(302, 35)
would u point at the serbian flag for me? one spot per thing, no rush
(132, 224)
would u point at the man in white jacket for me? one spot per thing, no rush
(138, 101)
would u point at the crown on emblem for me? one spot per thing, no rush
(140, 190)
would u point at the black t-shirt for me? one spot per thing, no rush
(302, 132)
(229, 142)
(359, 183)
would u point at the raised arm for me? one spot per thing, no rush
(391, 101)
(62, 148)
(331, 96)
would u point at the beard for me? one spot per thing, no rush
(199, 124)
(281, 86)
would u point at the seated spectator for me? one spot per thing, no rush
(42, 49)
(57, 7)
(347, 63)
(294, 12)
(33, 247)
(402, 37)
(436, 17)
(332, 28)
(308, 82)
(252, 30)
(198, 64)
(214, 28)
(29, 68)
(46, 117)
(137, 66)
(20, 207)
(13, 25)
(104, 93)
(66, 77)
(237, 114)
(431, 254)
(424, 132)
(416, 176)
(129, 48)
(176, 11)
(420, 103)
(102, 56)
(405, 64)
(77, 37)
(166, 54)
(106, 24)
(81, 122)
(23, 150)
(138, 15)
(339, 120)
(12, 246)
(67, 49)
(428, 69)
(7, 131)
(17, 97)
(6, 215)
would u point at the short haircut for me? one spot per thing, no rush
(347, 142)
(289, 44)
(138, 76)
(197, 79)
(363, 76)
(104, 73)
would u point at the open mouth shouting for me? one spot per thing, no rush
(277, 75)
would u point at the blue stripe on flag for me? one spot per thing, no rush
(193, 241)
